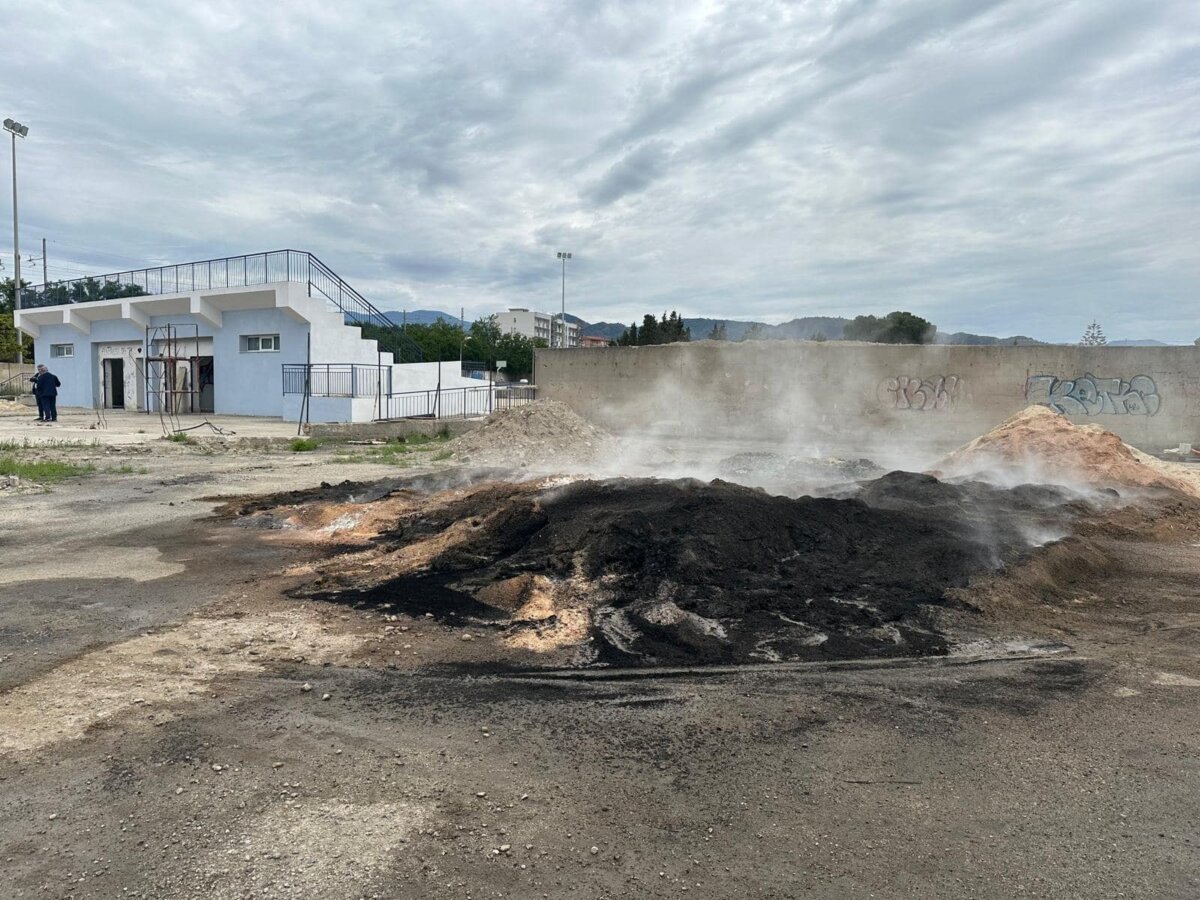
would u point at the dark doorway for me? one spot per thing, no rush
(115, 376)
(204, 383)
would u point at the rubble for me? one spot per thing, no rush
(539, 434)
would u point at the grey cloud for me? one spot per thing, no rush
(631, 173)
(986, 163)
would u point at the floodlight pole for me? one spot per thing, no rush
(562, 319)
(16, 128)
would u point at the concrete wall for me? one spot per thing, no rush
(13, 370)
(845, 395)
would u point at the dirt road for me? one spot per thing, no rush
(173, 725)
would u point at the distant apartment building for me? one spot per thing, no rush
(532, 324)
(591, 340)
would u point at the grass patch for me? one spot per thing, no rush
(179, 438)
(442, 454)
(304, 445)
(44, 471)
(9, 446)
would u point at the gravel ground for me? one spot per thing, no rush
(157, 739)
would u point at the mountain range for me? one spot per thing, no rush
(806, 328)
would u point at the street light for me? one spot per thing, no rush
(17, 130)
(562, 319)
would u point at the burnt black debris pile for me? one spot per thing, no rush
(687, 572)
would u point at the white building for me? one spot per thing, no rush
(518, 320)
(250, 335)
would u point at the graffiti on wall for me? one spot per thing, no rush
(1088, 395)
(938, 392)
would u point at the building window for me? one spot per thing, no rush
(260, 343)
(62, 351)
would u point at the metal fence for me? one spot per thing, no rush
(337, 379)
(231, 272)
(455, 403)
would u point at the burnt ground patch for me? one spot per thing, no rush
(686, 572)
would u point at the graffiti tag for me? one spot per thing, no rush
(1092, 396)
(938, 392)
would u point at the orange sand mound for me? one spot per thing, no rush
(1038, 444)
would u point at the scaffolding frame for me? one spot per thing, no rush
(173, 394)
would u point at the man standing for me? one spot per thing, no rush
(45, 389)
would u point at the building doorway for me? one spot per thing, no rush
(204, 383)
(114, 383)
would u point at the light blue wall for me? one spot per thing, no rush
(251, 384)
(244, 383)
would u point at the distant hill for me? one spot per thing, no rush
(803, 329)
(1144, 343)
(421, 316)
(963, 337)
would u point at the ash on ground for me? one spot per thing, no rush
(643, 572)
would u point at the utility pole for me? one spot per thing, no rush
(16, 129)
(562, 319)
(45, 278)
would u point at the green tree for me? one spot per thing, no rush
(756, 332)
(894, 328)
(482, 341)
(718, 332)
(517, 351)
(667, 330)
(439, 341)
(8, 333)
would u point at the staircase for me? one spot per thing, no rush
(358, 311)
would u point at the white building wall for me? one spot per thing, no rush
(533, 324)
(244, 382)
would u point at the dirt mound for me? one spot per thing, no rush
(1038, 444)
(650, 572)
(539, 434)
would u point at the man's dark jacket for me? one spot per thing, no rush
(46, 384)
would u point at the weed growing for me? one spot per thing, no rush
(44, 471)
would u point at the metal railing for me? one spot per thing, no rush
(337, 379)
(16, 386)
(455, 403)
(248, 270)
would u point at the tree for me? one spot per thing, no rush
(756, 332)
(819, 337)
(718, 332)
(483, 340)
(1094, 336)
(8, 333)
(894, 328)
(517, 352)
(667, 330)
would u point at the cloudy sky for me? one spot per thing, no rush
(999, 166)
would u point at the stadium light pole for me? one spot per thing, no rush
(17, 130)
(562, 319)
